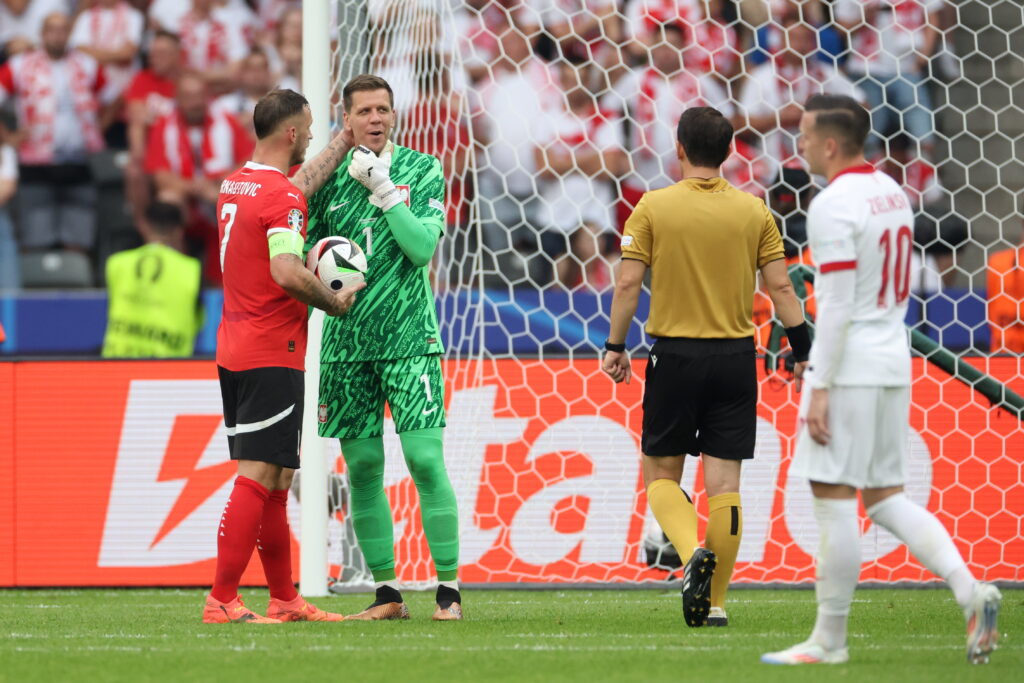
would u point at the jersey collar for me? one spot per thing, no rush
(859, 168)
(252, 165)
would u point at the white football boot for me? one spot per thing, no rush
(982, 628)
(807, 652)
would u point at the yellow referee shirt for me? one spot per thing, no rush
(704, 241)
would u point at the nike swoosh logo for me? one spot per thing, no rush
(428, 412)
(338, 206)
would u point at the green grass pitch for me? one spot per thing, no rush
(571, 635)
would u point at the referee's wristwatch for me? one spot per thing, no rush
(617, 348)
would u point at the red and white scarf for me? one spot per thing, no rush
(908, 17)
(655, 13)
(684, 89)
(109, 34)
(37, 101)
(747, 169)
(713, 47)
(589, 123)
(203, 51)
(216, 153)
(796, 83)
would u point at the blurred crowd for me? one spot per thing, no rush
(156, 95)
(551, 117)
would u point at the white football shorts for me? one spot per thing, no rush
(869, 445)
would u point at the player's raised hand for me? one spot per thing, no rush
(817, 417)
(374, 173)
(344, 299)
(616, 365)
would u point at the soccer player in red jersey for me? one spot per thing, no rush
(261, 347)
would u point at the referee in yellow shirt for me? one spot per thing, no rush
(704, 242)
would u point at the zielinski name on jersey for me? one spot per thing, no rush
(897, 201)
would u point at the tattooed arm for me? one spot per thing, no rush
(291, 275)
(314, 172)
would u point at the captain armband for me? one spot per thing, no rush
(284, 241)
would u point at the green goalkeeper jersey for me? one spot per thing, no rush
(395, 315)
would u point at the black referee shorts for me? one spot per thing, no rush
(263, 414)
(701, 397)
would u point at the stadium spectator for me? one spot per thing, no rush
(918, 177)
(212, 45)
(507, 106)
(436, 125)
(579, 159)
(110, 31)
(1005, 287)
(153, 292)
(169, 15)
(891, 44)
(149, 97)
(241, 15)
(56, 93)
(704, 242)
(594, 24)
(166, 15)
(788, 200)
(771, 97)
(478, 23)
(770, 37)
(712, 43)
(21, 23)
(285, 52)
(189, 153)
(254, 81)
(271, 13)
(9, 269)
(651, 98)
(938, 233)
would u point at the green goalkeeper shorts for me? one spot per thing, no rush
(352, 396)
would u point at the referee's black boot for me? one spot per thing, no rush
(697, 587)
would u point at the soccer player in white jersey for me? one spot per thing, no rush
(854, 415)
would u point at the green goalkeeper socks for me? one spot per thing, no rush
(371, 513)
(424, 454)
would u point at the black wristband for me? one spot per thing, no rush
(800, 341)
(617, 348)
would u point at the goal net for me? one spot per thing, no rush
(551, 119)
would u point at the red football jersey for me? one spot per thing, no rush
(261, 325)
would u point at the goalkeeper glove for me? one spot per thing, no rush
(374, 172)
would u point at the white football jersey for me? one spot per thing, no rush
(863, 222)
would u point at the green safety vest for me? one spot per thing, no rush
(153, 295)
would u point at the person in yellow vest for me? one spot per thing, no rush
(153, 292)
(1005, 280)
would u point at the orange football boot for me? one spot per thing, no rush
(299, 610)
(234, 612)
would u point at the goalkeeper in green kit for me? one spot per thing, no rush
(390, 200)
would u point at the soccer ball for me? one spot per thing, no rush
(659, 553)
(337, 261)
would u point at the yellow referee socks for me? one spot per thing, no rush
(676, 515)
(722, 537)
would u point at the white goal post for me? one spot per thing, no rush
(316, 73)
